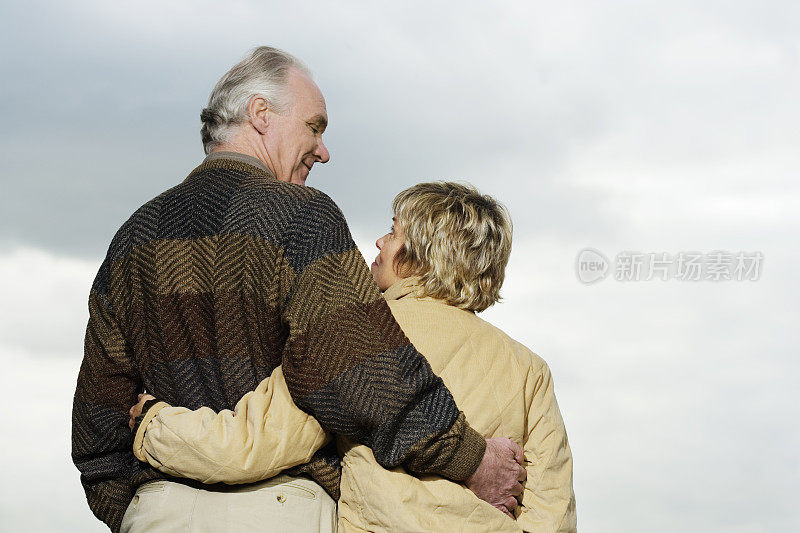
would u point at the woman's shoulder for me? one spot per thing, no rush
(438, 317)
(527, 358)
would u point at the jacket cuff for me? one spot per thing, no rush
(469, 452)
(149, 411)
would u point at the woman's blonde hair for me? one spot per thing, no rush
(457, 241)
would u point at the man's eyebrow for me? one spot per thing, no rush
(320, 121)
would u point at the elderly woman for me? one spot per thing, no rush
(443, 260)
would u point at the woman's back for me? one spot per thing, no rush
(504, 389)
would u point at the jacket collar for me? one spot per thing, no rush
(411, 289)
(405, 288)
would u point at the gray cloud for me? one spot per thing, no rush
(101, 120)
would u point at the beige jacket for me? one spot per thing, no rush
(504, 389)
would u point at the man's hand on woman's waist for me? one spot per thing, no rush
(498, 479)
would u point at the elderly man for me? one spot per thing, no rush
(216, 282)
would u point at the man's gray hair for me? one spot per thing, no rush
(262, 73)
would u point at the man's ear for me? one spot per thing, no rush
(259, 113)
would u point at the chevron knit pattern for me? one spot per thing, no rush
(209, 287)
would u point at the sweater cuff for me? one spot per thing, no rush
(149, 410)
(469, 452)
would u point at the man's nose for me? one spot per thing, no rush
(323, 156)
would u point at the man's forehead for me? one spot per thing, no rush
(307, 93)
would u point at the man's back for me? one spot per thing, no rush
(190, 291)
(200, 273)
(210, 286)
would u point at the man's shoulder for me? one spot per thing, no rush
(208, 204)
(237, 191)
(321, 205)
(140, 225)
(318, 230)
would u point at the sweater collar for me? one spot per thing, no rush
(235, 161)
(241, 158)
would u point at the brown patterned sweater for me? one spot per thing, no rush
(214, 283)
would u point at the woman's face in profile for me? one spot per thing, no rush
(383, 267)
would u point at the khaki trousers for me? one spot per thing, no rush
(283, 503)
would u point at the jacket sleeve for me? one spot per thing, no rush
(348, 362)
(106, 388)
(548, 502)
(264, 434)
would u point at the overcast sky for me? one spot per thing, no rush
(621, 126)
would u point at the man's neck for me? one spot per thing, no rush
(243, 146)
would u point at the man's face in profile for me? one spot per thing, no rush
(294, 138)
